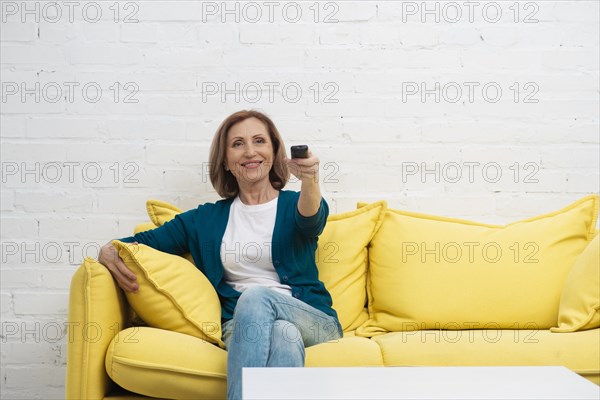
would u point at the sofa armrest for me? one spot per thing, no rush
(98, 310)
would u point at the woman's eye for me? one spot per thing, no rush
(260, 140)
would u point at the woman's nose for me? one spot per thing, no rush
(250, 150)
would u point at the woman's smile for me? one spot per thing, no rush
(252, 164)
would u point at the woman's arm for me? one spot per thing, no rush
(310, 198)
(312, 209)
(307, 170)
(172, 237)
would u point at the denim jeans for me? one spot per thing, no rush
(271, 329)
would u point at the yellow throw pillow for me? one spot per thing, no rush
(143, 227)
(161, 212)
(342, 259)
(429, 272)
(580, 300)
(173, 294)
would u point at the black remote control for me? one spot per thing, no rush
(300, 151)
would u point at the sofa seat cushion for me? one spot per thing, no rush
(160, 363)
(578, 351)
(350, 351)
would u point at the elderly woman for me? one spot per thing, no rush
(256, 246)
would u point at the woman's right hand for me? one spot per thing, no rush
(109, 257)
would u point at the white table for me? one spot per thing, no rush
(416, 383)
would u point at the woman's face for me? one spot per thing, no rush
(249, 153)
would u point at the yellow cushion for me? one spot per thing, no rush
(160, 363)
(349, 351)
(578, 351)
(428, 272)
(143, 227)
(165, 364)
(161, 212)
(173, 294)
(342, 259)
(580, 300)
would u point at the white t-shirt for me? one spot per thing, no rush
(246, 247)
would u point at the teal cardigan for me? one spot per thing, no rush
(200, 232)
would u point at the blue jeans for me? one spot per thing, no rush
(271, 329)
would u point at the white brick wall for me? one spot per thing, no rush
(76, 173)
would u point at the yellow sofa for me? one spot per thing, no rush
(403, 295)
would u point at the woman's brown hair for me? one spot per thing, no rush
(223, 181)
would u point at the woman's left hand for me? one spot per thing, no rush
(305, 169)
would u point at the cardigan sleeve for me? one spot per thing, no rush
(172, 237)
(313, 226)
